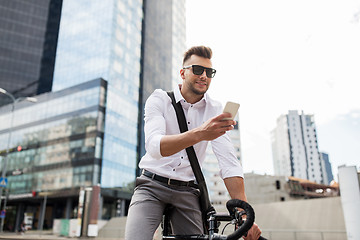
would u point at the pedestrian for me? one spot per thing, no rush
(22, 228)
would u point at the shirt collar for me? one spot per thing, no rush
(179, 96)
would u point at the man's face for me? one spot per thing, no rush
(196, 84)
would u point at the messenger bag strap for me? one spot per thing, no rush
(190, 150)
(206, 207)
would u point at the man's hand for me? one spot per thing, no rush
(211, 129)
(215, 127)
(254, 233)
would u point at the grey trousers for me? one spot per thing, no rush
(148, 203)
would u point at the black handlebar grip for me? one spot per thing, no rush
(231, 205)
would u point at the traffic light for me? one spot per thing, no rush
(19, 148)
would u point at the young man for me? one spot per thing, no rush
(167, 175)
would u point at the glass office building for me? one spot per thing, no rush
(56, 148)
(133, 47)
(103, 39)
(28, 37)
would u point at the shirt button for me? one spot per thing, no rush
(188, 122)
(174, 169)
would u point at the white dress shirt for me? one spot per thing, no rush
(160, 120)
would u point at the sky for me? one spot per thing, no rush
(273, 56)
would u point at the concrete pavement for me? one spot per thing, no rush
(45, 235)
(30, 235)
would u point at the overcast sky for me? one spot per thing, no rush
(273, 56)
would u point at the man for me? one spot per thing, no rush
(167, 175)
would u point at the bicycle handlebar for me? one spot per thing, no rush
(231, 205)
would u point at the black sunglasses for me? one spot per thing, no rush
(198, 70)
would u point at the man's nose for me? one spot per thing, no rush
(203, 75)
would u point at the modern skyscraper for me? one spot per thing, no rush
(103, 39)
(28, 40)
(295, 149)
(163, 49)
(129, 44)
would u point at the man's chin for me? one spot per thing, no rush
(198, 92)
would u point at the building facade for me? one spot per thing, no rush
(28, 41)
(267, 188)
(295, 147)
(105, 41)
(56, 148)
(328, 175)
(163, 47)
(133, 51)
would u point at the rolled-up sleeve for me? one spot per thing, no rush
(225, 153)
(155, 126)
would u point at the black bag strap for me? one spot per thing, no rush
(190, 150)
(205, 204)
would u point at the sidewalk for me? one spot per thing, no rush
(45, 235)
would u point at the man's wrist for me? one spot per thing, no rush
(196, 135)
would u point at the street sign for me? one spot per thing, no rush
(2, 214)
(3, 182)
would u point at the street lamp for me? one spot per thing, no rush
(14, 101)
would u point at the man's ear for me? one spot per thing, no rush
(182, 74)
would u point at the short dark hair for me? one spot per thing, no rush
(200, 51)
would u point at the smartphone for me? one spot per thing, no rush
(231, 107)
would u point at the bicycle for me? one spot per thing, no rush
(235, 217)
